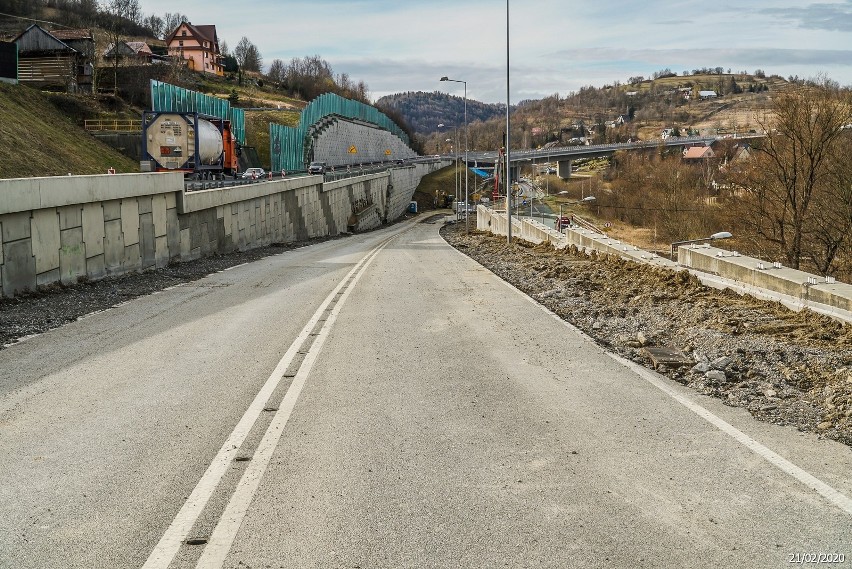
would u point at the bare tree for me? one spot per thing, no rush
(276, 71)
(788, 187)
(172, 21)
(116, 13)
(156, 25)
(247, 56)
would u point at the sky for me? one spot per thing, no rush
(555, 46)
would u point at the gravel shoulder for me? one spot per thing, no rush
(784, 367)
(52, 306)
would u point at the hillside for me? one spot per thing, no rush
(38, 139)
(425, 111)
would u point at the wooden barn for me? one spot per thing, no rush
(63, 59)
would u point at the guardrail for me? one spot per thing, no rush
(113, 125)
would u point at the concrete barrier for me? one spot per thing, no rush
(796, 289)
(63, 229)
(715, 267)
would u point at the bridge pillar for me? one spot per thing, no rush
(563, 169)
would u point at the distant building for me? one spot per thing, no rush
(131, 52)
(707, 95)
(61, 59)
(698, 153)
(198, 46)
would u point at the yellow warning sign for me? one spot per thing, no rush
(476, 197)
(387, 152)
(353, 150)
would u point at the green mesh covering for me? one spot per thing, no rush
(288, 144)
(171, 98)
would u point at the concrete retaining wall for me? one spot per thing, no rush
(714, 267)
(806, 289)
(62, 229)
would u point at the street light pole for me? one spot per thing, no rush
(508, 136)
(466, 224)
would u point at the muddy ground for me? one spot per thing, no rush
(785, 367)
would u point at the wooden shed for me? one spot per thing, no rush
(56, 60)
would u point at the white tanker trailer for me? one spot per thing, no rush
(188, 142)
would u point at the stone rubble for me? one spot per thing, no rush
(788, 368)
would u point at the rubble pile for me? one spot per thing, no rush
(789, 368)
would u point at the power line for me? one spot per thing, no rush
(34, 20)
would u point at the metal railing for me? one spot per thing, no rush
(114, 125)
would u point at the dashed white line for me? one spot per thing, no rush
(170, 543)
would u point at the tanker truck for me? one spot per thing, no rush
(200, 146)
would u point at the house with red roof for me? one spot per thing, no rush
(698, 153)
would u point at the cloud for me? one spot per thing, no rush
(832, 17)
(724, 56)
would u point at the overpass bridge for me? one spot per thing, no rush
(563, 156)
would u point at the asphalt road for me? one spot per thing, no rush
(383, 401)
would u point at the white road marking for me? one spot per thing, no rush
(220, 542)
(171, 541)
(831, 494)
(828, 492)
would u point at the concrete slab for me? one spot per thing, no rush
(173, 235)
(19, 270)
(145, 204)
(161, 253)
(16, 226)
(93, 229)
(113, 246)
(132, 260)
(185, 242)
(147, 240)
(45, 239)
(112, 210)
(159, 211)
(95, 267)
(70, 216)
(24, 194)
(72, 255)
(130, 221)
(45, 235)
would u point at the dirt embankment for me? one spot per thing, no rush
(789, 368)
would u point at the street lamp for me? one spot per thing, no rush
(445, 78)
(508, 136)
(714, 237)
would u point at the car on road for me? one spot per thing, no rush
(253, 174)
(317, 168)
(562, 222)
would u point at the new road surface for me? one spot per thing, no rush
(382, 401)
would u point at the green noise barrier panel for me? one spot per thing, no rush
(288, 145)
(173, 99)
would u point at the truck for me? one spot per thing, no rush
(200, 146)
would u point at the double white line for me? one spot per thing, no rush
(219, 543)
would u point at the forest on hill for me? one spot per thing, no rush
(425, 111)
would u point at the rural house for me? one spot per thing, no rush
(131, 53)
(698, 153)
(198, 46)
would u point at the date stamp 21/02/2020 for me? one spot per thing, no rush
(817, 558)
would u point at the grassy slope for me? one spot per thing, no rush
(38, 140)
